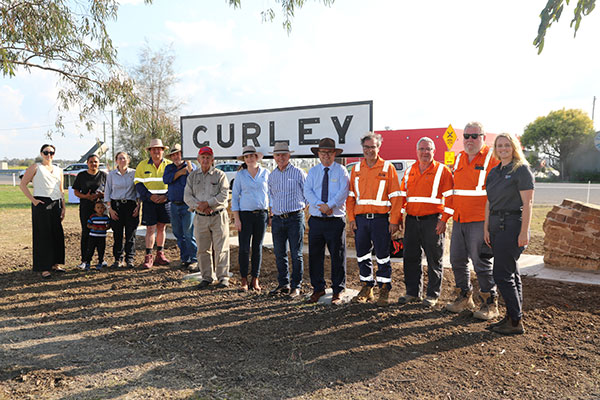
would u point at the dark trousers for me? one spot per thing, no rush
(504, 236)
(373, 234)
(419, 236)
(128, 223)
(330, 232)
(93, 243)
(289, 230)
(254, 225)
(84, 215)
(48, 234)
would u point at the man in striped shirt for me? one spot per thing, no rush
(286, 198)
(153, 192)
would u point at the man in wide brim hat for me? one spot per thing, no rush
(247, 150)
(326, 144)
(157, 143)
(176, 149)
(281, 148)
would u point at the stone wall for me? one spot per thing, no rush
(572, 237)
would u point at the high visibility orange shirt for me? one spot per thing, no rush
(427, 193)
(469, 195)
(374, 190)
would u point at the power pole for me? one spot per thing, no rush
(105, 154)
(593, 109)
(112, 128)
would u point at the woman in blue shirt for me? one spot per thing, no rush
(250, 204)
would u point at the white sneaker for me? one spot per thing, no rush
(83, 266)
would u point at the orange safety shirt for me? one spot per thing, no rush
(469, 194)
(426, 193)
(374, 190)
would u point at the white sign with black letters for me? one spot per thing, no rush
(300, 127)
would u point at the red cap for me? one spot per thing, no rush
(205, 150)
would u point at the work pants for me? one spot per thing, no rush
(182, 222)
(373, 234)
(212, 235)
(504, 236)
(467, 242)
(419, 235)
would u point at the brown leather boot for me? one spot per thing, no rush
(365, 294)
(510, 327)
(384, 295)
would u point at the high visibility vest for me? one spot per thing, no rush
(152, 177)
(374, 190)
(469, 194)
(414, 190)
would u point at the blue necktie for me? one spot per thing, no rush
(325, 187)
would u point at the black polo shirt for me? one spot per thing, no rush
(503, 187)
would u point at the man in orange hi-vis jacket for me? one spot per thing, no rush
(374, 213)
(471, 168)
(426, 194)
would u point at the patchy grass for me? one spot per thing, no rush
(538, 217)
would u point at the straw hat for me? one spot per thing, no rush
(281, 148)
(250, 150)
(156, 143)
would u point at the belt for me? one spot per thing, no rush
(255, 211)
(373, 216)
(287, 215)
(121, 201)
(424, 217)
(209, 215)
(506, 212)
(325, 218)
(179, 203)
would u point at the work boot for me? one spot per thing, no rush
(161, 259)
(407, 298)
(510, 327)
(148, 261)
(489, 307)
(384, 294)
(365, 294)
(463, 301)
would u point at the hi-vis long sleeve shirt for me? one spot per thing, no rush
(429, 192)
(469, 195)
(374, 190)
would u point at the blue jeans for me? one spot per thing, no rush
(290, 229)
(182, 222)
(254, 224)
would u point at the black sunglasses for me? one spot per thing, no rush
(471, 135)
(47, 153)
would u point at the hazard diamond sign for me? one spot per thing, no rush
(450, 137)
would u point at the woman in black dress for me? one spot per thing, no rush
(47, 212)
(508, 209)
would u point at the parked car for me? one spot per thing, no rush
(230, 168)
(400, 165)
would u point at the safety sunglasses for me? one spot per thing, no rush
(471, 135)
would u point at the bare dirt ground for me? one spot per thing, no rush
(129, 334)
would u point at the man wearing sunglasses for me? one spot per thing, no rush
(468, 201)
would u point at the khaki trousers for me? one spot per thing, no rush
(212, 238)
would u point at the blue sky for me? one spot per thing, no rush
(424, 64)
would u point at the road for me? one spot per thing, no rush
(545, 193)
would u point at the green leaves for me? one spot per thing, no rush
(552, 13)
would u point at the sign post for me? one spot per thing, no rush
(449, 138)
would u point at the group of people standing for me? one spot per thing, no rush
(489, 195)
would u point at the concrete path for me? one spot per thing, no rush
(530, 265)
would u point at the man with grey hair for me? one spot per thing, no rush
(424, 188)
(374, 213)
(471, 168)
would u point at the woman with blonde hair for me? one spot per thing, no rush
(508, 209)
